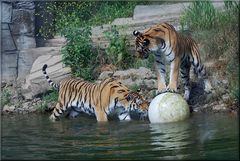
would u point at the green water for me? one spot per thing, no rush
(202, 136)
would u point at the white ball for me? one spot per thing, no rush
(168, 107)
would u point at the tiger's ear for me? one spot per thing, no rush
(136, 33)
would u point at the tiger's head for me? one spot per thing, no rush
(139, 105)
(119, 94)
(125, 100)
(152, 39)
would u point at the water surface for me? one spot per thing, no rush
(202, 136)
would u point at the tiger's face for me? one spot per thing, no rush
(120, 94)
(139, 105)
(129, 100)
(152, 39)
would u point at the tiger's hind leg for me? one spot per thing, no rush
(185, 75)
(200, 70)
(57, 112)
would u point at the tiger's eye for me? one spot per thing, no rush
(146, 42)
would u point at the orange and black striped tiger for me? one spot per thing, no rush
(171, 47)
(97, 99)
(138, 108)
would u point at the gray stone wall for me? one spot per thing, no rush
(17, 33)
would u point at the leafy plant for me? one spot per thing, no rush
(218, 33)
(199, 15)
(78, 55)
(135, 87)
(57, 16)
(5, 97)
(147, 63)
(117, 49)
(51, 97)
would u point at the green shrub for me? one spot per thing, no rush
(199, 15)
(147, 63)
(5, 97)
(52, 96)
(135, 87)
(78, 54)
(71, 14)
(233, 76)
(117, 49)
(218, 33)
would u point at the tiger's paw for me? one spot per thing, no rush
(52, 118)
(160, 91)
(171, 90)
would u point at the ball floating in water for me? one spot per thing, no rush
(168, 107)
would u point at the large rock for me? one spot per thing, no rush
(27, 5)
(28, 56)
(158, 11)
(133, 77)
(23, 28)
(6, 15)
(36, 82)
(140, 73)
(8, 43)
(9, 65)
(57, 41)
(142, 12)
(168, 107)
(23, 22)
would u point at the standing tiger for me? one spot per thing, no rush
(175, 49)
(100, 99)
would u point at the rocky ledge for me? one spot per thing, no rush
(218, 101)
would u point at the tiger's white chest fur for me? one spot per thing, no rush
(166, 54)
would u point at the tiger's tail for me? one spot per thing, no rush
(56, 86)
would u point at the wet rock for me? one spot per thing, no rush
(26, 105)
(220, 107)
(225, 97)
(9, 108)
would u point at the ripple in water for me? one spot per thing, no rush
(203, 136)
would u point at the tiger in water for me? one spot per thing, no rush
(97, 99)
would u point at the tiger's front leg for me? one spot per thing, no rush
(101, 116)
(124, 116)
(174, 72)
(161, 75)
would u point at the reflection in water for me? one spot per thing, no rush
(172, 137)
(199, 137)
